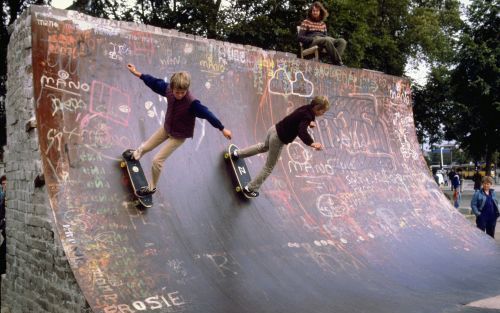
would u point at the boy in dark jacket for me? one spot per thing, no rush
(182, 111)
(284, 132)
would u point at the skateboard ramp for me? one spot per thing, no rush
(358, 227)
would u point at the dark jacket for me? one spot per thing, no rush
(296, 124)
(181, 114)
(455, 181)
(479, 199)
(477, 180)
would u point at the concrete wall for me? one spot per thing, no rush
(39, 278)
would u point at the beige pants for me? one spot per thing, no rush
(154, 141)
(274, 145)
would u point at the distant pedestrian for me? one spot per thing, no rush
(484, 205)
(451, 173)
(477, 178)
(461, 176)
(457, 196)
(435, 176)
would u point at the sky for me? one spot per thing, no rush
(416, 70)
(61, 4)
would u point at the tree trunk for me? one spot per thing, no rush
(488, 162)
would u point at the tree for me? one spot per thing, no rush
(197, 17)
(269, 24)
(475, 84)
(384, 34)
(432, 106)
(463, 98)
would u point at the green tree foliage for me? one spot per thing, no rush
(270, 24)
(433, 107)
(382, 34)
(461, 101)
(475, 83)
(197, 17)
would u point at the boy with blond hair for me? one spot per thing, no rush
(182, 111)
(283, 133)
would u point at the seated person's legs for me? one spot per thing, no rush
(328, 44)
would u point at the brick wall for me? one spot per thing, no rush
(39, 278)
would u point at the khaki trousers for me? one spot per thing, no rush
(154, 141)
(271, 143)
(334, 47)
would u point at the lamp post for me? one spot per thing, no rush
(442, 164)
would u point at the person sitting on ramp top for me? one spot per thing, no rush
(284, 132)
(182, 110)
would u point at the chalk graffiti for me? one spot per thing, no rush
(282, 84)
(110, 102)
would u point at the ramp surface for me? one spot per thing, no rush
(358, 227)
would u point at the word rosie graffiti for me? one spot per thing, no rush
(172, 299)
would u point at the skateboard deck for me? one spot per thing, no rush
(136, 177)
(240, 170)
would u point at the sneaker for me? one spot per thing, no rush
(234, 155)
(145, 191)
(249, 192)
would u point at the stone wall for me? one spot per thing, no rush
(39, 278)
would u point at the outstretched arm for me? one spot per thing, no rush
(133, 70)
(305, 137)
(156, 84)
(201, 111)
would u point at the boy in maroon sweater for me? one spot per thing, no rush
(182, 111)
(284, 132)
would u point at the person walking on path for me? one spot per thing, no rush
(477, 179)
(313, 32)
(455, 183)
(182, 111)
(451, 173)
(484, 205)
(283, 133)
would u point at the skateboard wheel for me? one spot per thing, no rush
(238, 189)
(123, 164)
(226, 155)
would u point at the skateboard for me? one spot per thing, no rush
(240, 170)
(137, 177)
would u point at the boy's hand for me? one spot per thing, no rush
(133, 70)
(312, 124)
(317, 146)
(227, 133)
